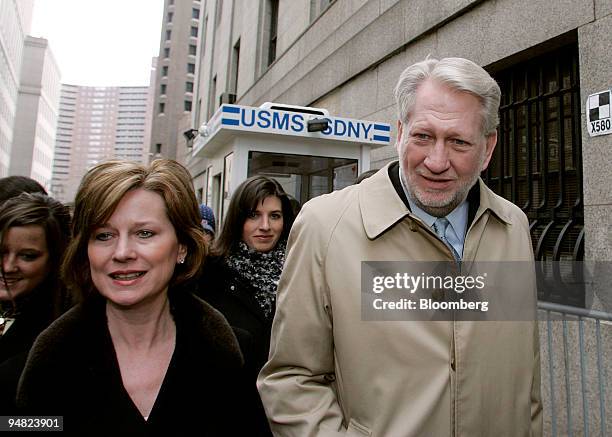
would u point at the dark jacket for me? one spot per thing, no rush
(35, 314)
(72, 370)
(233, 297)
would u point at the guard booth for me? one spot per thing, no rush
(305, 149)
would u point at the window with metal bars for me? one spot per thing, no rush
(537, 163)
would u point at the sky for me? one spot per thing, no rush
(101, 42)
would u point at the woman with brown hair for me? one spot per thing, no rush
(141, 354)
(240, 278)
(13, 186)
(34, 233)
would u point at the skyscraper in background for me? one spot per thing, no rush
(97, 123)
(15, 21)
(175, 75)
(36, 114)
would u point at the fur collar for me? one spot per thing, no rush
(82, 331)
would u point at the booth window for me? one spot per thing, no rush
(228, 161)
(209, 186)
(537, 163)
(304, 176)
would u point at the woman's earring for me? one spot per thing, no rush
(182, 261)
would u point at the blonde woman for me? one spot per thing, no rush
(141, 354)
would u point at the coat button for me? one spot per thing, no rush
(329, 377)
(453, 363)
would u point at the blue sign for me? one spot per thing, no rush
(294, 123)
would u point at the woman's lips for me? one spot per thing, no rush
(9, 281)
(127, 278)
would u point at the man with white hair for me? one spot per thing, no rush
(331, 373)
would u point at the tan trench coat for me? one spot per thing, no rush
(332, 374)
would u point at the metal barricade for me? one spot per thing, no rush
(576, 344)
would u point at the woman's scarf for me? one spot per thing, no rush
(36, 305)
(261, 270)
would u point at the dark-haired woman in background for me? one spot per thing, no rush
(12, 186)
(241, 276)
(34, 233)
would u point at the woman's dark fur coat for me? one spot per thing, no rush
(72, 371)
(233, 297)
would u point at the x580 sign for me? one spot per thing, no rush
(599, 118)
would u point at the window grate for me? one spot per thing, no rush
(537, 163)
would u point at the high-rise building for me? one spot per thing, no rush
(132, 123)
(36, 115)
(15, 21)
(149, 114)
(175, 75)
(97, 123)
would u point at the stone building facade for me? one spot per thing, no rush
(346, 56)
(548, 57)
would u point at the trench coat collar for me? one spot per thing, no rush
(489, 201)
(382, 207)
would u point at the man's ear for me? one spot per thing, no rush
(489, 148)
(400, 133)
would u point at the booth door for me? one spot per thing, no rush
(304, 176)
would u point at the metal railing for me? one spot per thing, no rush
(578, 380)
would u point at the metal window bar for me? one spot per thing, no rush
(592, 395)
(537, 163)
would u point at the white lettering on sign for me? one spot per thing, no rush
(284, 122)
(598, 114)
